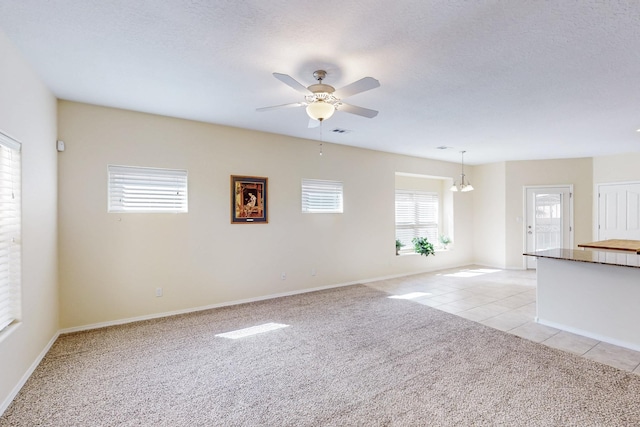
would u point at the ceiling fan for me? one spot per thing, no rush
(322, 100)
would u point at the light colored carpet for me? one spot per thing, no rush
(350, 357)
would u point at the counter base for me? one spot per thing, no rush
(594, 300)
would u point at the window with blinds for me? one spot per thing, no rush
(10, 231)
(135, 189)
(416, 216)
(319, 196)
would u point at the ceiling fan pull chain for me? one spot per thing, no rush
(321, 137)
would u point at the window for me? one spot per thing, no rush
(321, 196)
(133, 189)
(416, 216)
(9, 231)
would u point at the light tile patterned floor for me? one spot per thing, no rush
(504, 300)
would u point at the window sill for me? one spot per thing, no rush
(9, 330)
(414, 253)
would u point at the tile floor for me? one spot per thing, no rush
(505, 300)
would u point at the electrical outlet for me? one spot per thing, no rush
(313, 271)
(158, 292)
(284, 276)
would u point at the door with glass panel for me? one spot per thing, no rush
(548, 223)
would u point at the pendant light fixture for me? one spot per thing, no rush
(464, 185)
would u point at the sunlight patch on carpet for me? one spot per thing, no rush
(411, 295)
(253, 330)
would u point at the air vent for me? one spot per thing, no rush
(338, 130)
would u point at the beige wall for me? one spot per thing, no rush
(620, 168)
(28, 114)
(578, 172)
(110, 264)
(489, 219)
(499, 205)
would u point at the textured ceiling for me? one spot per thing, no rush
(504, 80)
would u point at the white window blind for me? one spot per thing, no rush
(9, 231)
(416, 216)
(135, 189)
(319, 196)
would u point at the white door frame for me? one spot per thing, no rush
(524, 214)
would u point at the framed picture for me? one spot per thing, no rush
(248, 199)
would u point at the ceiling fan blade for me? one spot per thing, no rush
(276, 107)
(362, 85)
(354, 109)
(292, 83)
(313, 123)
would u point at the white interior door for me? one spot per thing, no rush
(619, 211)
(549, 219)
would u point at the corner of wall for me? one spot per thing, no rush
(28, 112)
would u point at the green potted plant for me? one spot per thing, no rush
(399, 246)
(444, 240)
(422, 246)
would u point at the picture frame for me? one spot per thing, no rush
(249, 199)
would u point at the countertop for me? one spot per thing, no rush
(632, 246)
(593, 257)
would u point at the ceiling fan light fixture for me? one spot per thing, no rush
(320, 110)
(322, 100)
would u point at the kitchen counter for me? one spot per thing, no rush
(594, 257)
(590, 293)
(614, 245)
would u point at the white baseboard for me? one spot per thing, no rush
(236, 302)
(7, 401)
(588, 334)
(200, 308)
